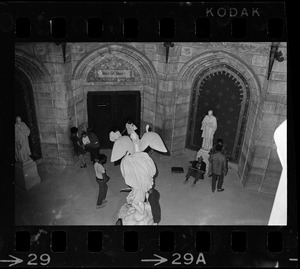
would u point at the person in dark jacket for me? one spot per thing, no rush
(219, 168)
(94, 146)
(213, 150)
(197, 170)
(153, 200)
(78, 146)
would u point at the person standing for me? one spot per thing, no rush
(213, 150)
(209, 126)
(153, 199)
(94, 146)
(101, 178)
(219, 168)
(78, 146)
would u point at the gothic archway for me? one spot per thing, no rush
(36, 80)
(224, 90)
(184, 86)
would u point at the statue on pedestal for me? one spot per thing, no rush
(22, 150)
(209, 126)
(138, 170)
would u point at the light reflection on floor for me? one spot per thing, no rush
(67, 196)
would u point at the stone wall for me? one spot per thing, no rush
(266, 168)
(43, 64)
(165, 92)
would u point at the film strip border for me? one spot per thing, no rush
(141, 246)
(128, 21)
(144, 246)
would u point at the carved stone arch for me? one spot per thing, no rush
(32, 67)
(122, 51)
(193, 67)
(147, 85)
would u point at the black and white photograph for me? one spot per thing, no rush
(150, 133)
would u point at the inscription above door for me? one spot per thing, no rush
(112, 69)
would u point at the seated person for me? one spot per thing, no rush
(94, 145)
(85, 139)
(197, 170)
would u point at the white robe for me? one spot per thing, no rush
(209, 126)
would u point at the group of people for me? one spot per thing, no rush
(89, 142)
(115, 133)
(217, 169)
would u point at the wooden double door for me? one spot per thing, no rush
(108, 109)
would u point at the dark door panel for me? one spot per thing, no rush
(107, 109)
(128, 106)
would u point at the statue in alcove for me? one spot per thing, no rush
(138, 170)
(22, 150)
(209, 126)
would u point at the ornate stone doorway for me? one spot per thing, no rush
(225, 91)
(24, 107)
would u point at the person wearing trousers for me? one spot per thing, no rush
(219, 168)
(101, 179)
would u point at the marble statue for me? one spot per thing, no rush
(138, 170)
(209, 126)
(22, 150)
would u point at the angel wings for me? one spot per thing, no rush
(124, 145)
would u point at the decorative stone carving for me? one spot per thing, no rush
(186, 51)
(112, 69)
(236, 46)
(40, 48)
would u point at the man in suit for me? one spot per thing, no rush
(197, 170)
(219, 168)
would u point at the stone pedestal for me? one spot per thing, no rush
(204, 154)
(26, 175)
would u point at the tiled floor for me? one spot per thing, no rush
(67, 196)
